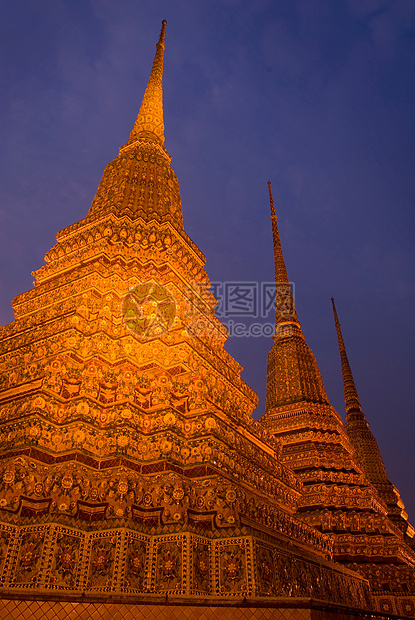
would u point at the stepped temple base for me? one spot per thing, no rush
(56, 571)
(15, 609)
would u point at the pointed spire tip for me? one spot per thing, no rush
(351, 398)
(281, 275)
(162, 33)
(271, 201)
(149, 122)
(336, 318)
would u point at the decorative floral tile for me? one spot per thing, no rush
(201, 567)
(101, 564)
(65, 561)
(135, 564)
(168, 565)
(232, 569)
(265, 572)
(27, 569)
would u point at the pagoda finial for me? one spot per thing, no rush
(351, 398)
(150, 121)
(284, 300)
(292, 372)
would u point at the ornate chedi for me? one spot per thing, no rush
(131, 468)
(346, 491)
(365, 444)
(370, 459)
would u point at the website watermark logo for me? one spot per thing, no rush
(148, 310)
(245, 309)
(250, 302)
(253, 300)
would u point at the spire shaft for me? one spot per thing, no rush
(140, 182)
(292, 372)
(284, 299)
(150, 120)
(351, 398)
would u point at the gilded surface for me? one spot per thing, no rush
(346, 491)
(365, 444)
(130, 464)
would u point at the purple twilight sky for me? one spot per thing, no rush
(316, 96)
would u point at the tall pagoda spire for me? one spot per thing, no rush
(365, 444)
(150, 121)
(346, 490)
(140, 182)
(284, 299)
(351, 398)
(129, 460)
(125, 409)
(292, 372)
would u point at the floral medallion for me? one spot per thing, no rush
(101, 564)
(232, 569)
(201, 568)
(29, 557)
(66, 560)
(168, 567)
(148, 310)
(136, 564)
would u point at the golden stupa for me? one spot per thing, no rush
(135, 482)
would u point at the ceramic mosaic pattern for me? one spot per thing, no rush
(130, 462)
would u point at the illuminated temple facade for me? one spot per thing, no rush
(134, 479)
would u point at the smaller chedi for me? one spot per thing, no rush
(346, 490)
(134, 479)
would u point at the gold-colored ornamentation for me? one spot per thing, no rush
(130, 461)
(346, 491)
